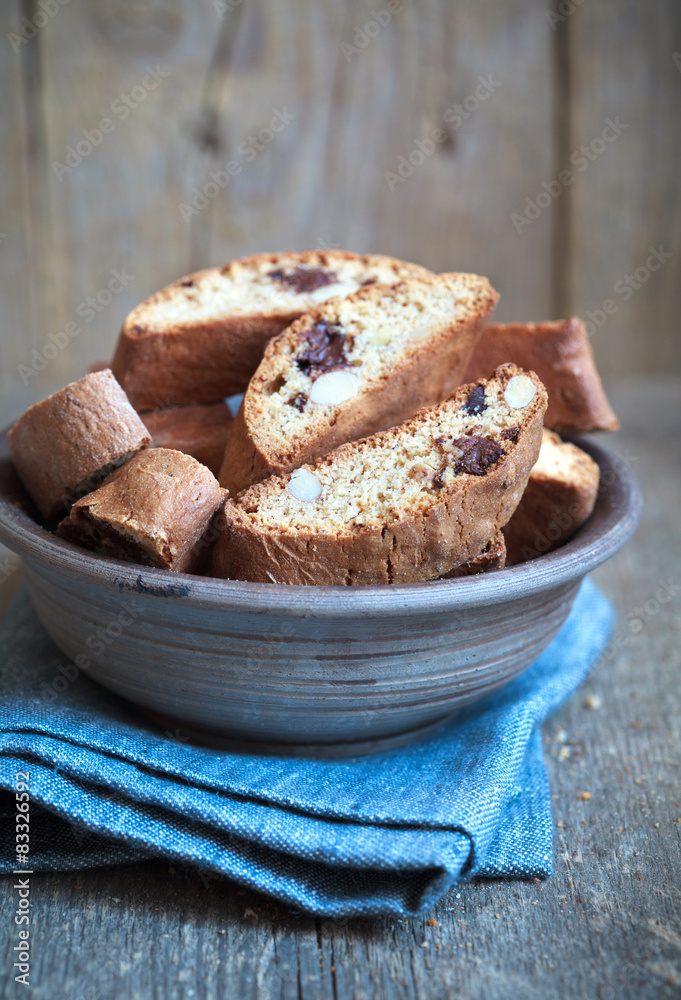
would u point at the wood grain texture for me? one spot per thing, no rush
(141, 68)
(363, 101)
(605, 925)
(356, 96)
(24, 222)
(626, 201)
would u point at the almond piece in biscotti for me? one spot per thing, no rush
(410, 503)
(201, 338)
(353, 367)
(560, 353)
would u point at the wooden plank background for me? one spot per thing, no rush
(606, 926)
(360, 95)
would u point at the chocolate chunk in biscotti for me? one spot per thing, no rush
(64, 446)
(324, 349)
(304, 279)
(560, 353)
(477, 454)
(353, 367)
(476, 401)
(397, 507)
(559, 497)
(156, 510)
(201, 338)
(200, 431)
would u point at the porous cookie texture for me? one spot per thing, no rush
(353, 367)
(201, 338)
(66, 445)
(492, 557)
(200, 431)
(560, 353)
(408, 504)
(560, 496)
(156, 510)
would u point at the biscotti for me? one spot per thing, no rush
(559, 497)
(408, 504)
(155, 510)
(201, 338)
(560, 353)
(353, 367)
(492, 557)
(200, 431)
(64, 446)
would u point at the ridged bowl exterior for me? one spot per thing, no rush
(308, 669)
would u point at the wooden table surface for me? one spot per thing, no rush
(606, 925)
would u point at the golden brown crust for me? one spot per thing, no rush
(560, 353)
(200, 430)
(553, 506)
(155, 510)
(427, 543)
(162, 365)
(419, 380)
(203, 364)
(492, 557)
(67, 444)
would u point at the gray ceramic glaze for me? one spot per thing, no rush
(305, 669)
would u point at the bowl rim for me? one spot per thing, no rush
(613, 522)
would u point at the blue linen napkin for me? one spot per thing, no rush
(383, 834)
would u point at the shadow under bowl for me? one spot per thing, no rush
(306, 670)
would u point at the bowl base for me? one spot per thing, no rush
(181, 733)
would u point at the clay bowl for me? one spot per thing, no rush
(305, 670)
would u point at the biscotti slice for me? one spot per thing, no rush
(64, 446)
(560, 353)
(407, 504)
(559, 498)
(156, 510)
(492, 557)
(353, 367)
(200, 431)
(201, 338)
